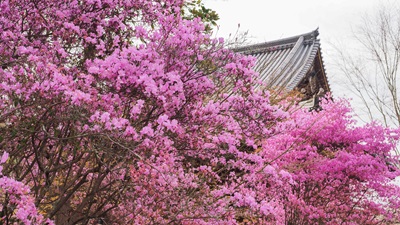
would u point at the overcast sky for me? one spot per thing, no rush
(268, 20)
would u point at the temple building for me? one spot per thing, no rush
(292, 64)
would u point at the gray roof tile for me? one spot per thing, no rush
(285, 62)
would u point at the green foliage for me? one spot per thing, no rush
(196, 9)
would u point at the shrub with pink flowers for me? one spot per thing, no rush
(17, 205)
(124, 112)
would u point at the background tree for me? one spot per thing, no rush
(196, 9)
(372, 65)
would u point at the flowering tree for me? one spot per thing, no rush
(339, 173)
(124, 112)
(17, 205)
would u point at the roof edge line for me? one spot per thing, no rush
(285, 41)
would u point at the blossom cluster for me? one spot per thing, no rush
(123, 112)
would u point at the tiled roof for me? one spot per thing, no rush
(285, 62)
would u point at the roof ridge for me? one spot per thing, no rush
(277, 44)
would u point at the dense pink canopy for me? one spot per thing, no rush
(123, 112)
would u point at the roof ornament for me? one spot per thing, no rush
(316, 100)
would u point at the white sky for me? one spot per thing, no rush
(268, 20)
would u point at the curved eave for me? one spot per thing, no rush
(306, 66)
(326, 81)
(285, 63)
